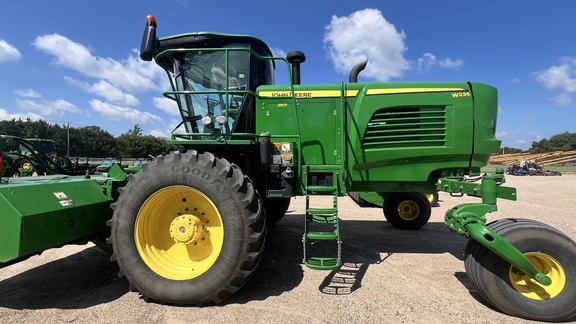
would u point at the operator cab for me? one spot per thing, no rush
(214, 77)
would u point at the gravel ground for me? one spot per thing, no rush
(390, 276)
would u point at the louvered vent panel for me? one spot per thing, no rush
(406, 127)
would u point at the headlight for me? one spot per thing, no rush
(221, 120)
(206, 120)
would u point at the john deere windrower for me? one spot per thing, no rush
(190, 227)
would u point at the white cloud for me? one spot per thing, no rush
(107, 91)
(47, 108)
(366, 34)
(159, 133)
(516, 140)
(168, 106)
(278, 52)
(449, 63)
(117, 113)
(5, 115)
(27, 93)
(564, 99)
(429, 60)
(561, 78)
(130, 74)
(8, 52)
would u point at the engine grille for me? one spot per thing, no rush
(406, 127)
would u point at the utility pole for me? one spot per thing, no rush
(68, 141)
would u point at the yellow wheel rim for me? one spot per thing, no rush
(26, 165)
(179, 232)
(430, 197)
(408, 210)
(531, 288)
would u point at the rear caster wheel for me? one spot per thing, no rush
(407, 210)
(514, 293)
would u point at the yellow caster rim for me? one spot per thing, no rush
(532, 289)
(408, 210)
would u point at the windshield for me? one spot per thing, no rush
(218, 89)
(215, 87)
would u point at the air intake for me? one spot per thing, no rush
(406, 127)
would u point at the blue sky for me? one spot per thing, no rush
(77, 61)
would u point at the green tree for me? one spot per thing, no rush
(133, 144)
(508, 150)
(89, 141)
(92, 141)
(11, 127)
(559, 142)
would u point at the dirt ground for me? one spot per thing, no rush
(390, 276)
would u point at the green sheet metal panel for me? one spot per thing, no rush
(46, 213)
(319, 118)
(485, 116)
(404, 131)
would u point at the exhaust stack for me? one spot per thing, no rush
(295, 58)
(353, 78)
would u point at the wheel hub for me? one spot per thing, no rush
(26, 165)
(408, 210)
(532, 289)
(186, 229)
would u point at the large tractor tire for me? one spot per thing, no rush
(509, 290)
(188, 229)
(275, 208)
(407, 210)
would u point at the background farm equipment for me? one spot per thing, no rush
(190, 227)
(536, 169)
(107, 163)
(518, 170)
(137, 165)
(22, 157)
(82, 165)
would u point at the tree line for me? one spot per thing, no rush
(88, 141)
(559, 142)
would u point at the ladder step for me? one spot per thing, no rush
(325, 236)
(322, 219)
(323, 263)
(321, 189)
(321, 211)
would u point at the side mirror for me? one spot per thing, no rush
(148, 39)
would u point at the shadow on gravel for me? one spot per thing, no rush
(364, 243)
(88, 278)
(280, 269)
(372, 242)
(81, 280)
